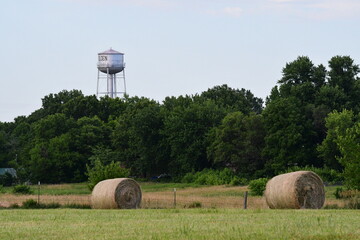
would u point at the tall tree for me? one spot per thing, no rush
(315, 92)
(238, 142)
(81, 106)
(290, 136)
(51, 153)
(54, 161)
(302, 79)
(186, 132)
(53, 103)
(337, 124)
(343, 73)
(3, 149)
(110, 108)
(137, 137)
(350, 150)
(234, 99)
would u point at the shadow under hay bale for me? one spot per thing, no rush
(302, 189)
(124, 193)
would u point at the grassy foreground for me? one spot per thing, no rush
(179, 224)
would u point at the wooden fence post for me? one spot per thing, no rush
(39, 192)
(174, 197)
(245, 199)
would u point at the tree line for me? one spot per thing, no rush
(310, 118)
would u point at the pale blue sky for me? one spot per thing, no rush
(172, 47)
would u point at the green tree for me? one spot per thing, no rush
(3, 149)
(238, 142)
(99, 172)
(350, 150)
(54, 161)
(290, 136)
(104, 154)
(110, 108)
(301, 71)
(81, 106)
(137, 137)
(54, 103)
(313, 92)
(52, 126)
(88, 133)
(302, 79)
(343, 73)
(234, 99)
(185, 132)
(52, 155)
(336, 123)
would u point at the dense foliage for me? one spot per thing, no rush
(22, 189)
(100, 172)
(328, 175)
(257, 186)
(7, 179)
(310, 119)
(213, 177)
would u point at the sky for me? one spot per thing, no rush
(171, 47)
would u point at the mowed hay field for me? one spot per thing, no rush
(155, 195)
(201, 223)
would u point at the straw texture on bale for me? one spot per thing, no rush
(116, 193)
(302, 189)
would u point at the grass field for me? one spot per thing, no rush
(155, 195)
(57, 189)
(179, 224)
(220, 217)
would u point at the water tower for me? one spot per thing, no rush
(110, 63)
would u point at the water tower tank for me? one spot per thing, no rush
(110, 61)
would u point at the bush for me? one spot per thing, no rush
(212, 177)
(32, 204)
(101, 172)
(338, 192)
(6, 179)
(257, 186)
(189, 178)
(2, 190)
(22, 189)
(236, 181)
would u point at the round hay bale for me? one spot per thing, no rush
(116, 193)
(302, 189)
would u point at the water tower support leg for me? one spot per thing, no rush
(97, 87)
(107, 82)
(115, 90)
(124, 82)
